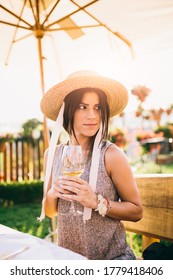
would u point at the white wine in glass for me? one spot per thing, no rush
(73, 164)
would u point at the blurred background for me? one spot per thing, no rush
(42, 42)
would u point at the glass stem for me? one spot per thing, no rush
(72, 207)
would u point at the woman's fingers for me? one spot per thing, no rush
(72, 179)
(75, 188)
(64, 190)
(57, 190)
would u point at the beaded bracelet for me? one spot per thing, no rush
(109, 205)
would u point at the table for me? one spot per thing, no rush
(15, 245)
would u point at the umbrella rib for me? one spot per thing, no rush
(23, 37)
(43, 4)
(73, 27)
(120, 36)
(16, 25)
(16, 16)
(48, 15)
(32, 10)
(14, 35)
(37, 14)
(67, 16)
(38, 28)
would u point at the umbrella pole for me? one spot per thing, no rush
(45, 127)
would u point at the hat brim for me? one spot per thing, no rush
(117, 94)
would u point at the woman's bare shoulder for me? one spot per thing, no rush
(114, 152)
(115, 159)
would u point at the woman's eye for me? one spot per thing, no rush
(98, 107)
(82, 107)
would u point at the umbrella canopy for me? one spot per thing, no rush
(66, 35)
(142, 25)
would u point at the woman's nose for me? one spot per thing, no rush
(91, 114)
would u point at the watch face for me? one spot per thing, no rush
(101, 208)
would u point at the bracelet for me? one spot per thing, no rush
(109, 205)
(101, 207)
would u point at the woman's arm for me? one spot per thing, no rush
(118, 168)
(51, 196)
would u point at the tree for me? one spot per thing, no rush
(31, 125)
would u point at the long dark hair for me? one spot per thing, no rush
(72, 101)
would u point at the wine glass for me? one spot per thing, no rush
(73, 165)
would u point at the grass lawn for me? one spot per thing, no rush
(23, 217)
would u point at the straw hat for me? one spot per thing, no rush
(117, 95)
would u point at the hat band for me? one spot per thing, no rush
(52, 146)
(93, 171)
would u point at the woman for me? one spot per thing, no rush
(106, 192)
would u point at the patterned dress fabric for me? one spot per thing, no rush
(100, 238)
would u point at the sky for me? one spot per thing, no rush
(21, 93)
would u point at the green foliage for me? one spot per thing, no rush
(30, 125)
(6, 137)
(117, 134)
(21, 205)
(150, 167)
(135, 242)
(166, 131)
(20, 192)
(23, 217)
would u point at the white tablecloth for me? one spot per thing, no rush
(15, 245)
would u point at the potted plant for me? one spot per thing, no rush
(117, 136)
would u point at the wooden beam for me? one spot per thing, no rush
(156, 193)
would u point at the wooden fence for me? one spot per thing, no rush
(21, 160)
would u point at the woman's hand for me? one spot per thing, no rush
(57, 190)
(75, 188)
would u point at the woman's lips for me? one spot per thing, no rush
(90, 124)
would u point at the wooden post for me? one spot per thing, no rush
(156, 191)
(11, 161)
(27, 160)
(17, 161)
(23, 163)
(147, 241)
(39, 158)
(5, 165)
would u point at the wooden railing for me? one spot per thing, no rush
(21, 160)
(156, 193)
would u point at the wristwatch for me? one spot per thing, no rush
(102, 208)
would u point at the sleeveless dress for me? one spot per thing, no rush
(100, 238)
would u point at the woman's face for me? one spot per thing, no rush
(87, 117)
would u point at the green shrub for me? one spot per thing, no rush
(21, 205)
(21, 192)
(166, 131)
